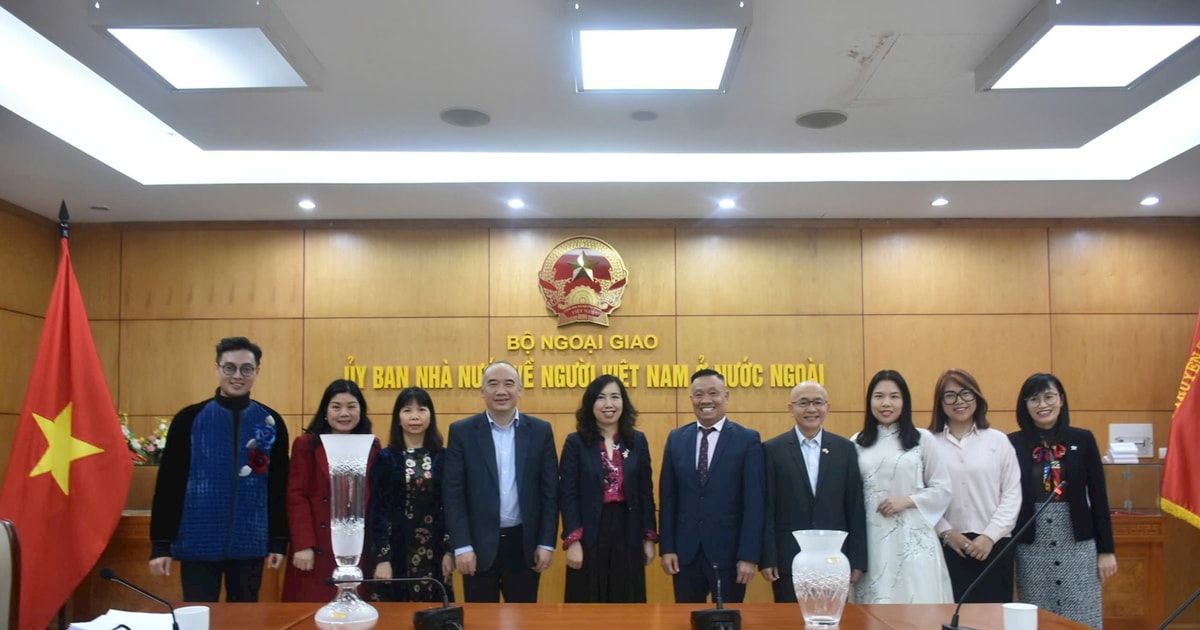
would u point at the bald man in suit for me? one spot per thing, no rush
(813, 482)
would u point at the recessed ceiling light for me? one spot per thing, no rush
(516, 204)
(727, 204)
(1150, 201)
(939, 202)
(307, 204)
(644, 115)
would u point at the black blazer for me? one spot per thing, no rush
(791, 505)
(471, 487)
(1084, 474)
(581, 489)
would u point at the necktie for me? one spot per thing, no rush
(702, 464)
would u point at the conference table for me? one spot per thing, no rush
(279, 616)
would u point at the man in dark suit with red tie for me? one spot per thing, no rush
(711, 501)
(500, 491)
(813, 482)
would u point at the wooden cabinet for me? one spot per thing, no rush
(1133, 598)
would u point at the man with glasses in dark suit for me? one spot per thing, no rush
(813, 482)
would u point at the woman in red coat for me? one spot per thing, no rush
(343, 410)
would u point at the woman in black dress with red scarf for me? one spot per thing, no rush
(607, 499)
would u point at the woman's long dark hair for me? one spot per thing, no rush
(320, 423)
(585, 416)
(433, 437)
(1037, 385)
(938, 423)
(909, 436)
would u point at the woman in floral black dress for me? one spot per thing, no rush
(408, 527)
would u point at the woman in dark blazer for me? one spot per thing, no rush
(607, 499)
(1068, 552)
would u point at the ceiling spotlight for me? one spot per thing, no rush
(464, 117)
(939, 202)
(727, 204)
(821, 119)
(516, 204)
(1150, 201)
(307, 204)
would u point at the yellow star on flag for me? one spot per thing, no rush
(64, 448)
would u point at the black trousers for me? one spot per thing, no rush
(783, 590)
(997, 585)
(510, 574)
(202, 580)
(696, 581)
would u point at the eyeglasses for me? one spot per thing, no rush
(229, 369)
(804, 403)
(1049, 399)
(713, 394)
(965, 395)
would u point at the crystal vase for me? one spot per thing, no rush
(347, 455)
(821, 576)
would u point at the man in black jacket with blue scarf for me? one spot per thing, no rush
(220, 498)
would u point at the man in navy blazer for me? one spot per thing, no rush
(711, 511)
(500, 490)
(792, 502)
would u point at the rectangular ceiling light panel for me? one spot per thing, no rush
(210, 44)
(211, 59)
(1089, 44)
(665, 45)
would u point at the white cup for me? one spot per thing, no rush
(196, 617)
(1016, 617)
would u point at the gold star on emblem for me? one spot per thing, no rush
(582, 265)
(63, 449)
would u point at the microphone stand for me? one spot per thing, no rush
(717, 618)
(445, 618)
(1179, 611)
(1057, 492)
(108, 574)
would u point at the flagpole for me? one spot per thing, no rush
(64, 220)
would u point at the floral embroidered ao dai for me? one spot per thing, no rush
(408, 526)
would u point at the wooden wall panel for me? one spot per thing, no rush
(395, 273)
(1121, 362)
(8, 432)
(832, 340)
(19, 335)
(328, 343)
(1000, 351)
(1125, 269)
(517, 256)
(954, 270)
(212, 274)
(543, 400)
(166, 365)
(96, 255)
(29, 258)
(107, 335)
(769, 271)
(1179, 560)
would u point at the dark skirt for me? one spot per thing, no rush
(614, 569)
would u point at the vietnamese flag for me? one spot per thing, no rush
(1181, 477)
(70, 468)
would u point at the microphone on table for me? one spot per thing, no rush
(445, 618)
(1056, 492)
(108, 574)
(718, 618)
(1179, 611)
